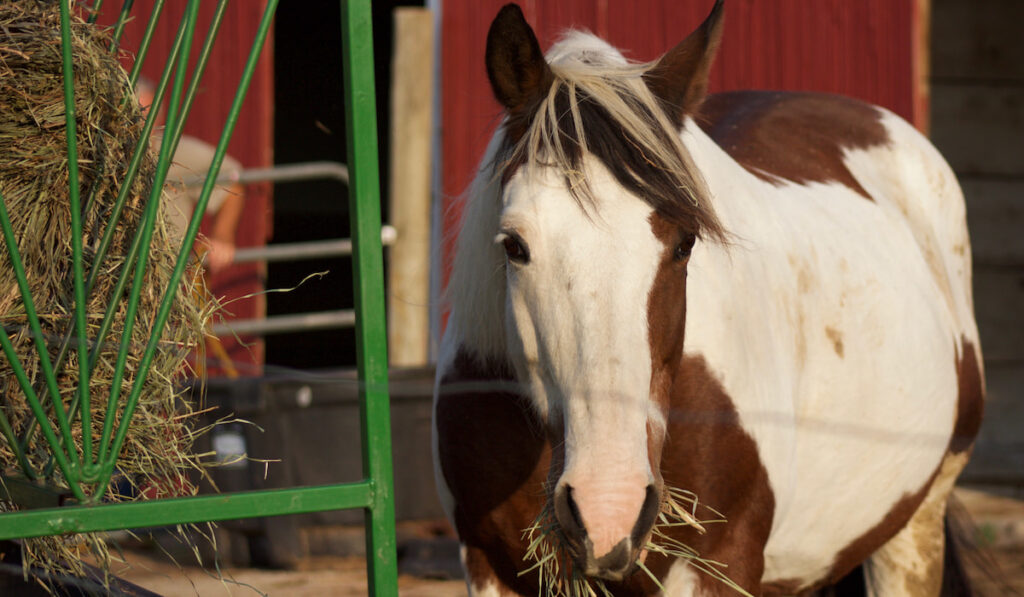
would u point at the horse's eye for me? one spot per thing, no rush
(515, 249)
(682, 250)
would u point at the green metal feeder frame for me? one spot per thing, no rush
(91, 466)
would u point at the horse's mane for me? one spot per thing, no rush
(598, 105)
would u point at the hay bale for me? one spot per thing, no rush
(34, 184)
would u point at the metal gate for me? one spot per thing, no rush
(88, 467)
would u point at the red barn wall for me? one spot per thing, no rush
(251, 143)
(869, 49)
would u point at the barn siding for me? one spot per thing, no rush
(870, 49)
(978, 123)
(251, 144)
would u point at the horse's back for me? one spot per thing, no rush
(805, 138)
(792, 136)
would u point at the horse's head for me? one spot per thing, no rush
(601, 209)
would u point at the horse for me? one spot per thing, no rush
(762, 298)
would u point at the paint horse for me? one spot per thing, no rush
(763, 298)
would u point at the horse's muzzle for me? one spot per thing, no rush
(620, 561)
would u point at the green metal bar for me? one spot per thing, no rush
(147, 37)
(165, 512)
(122, 18)
(105, 465)
(173, 137)
(68, 466)
(130, 175)
(193, 88)
(165, 305)
(74, 197)
(141, 149)
(95, 11)
(12, 440)
(368, 271)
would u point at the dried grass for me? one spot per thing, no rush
(559, 577)
(34, 184)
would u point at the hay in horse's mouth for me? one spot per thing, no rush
(548, 552)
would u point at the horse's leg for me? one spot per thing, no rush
(910, 564)
(481, 579)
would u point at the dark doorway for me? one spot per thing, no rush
(309, 126)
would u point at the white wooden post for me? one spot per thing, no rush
(410, 187)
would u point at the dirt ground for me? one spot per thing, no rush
(320, 576)
(996, 567)
(999, 566)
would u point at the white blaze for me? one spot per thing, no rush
(578, 333)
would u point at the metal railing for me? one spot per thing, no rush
(286, 252)
(316, 249)
(280, 173)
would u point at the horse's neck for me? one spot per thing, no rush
(736, 194)
(726, 302)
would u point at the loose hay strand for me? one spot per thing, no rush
(559, 577)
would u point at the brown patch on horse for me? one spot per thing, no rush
(494, 458)
(666, 310)
(703, 433)
(793, 136)
(708, 452)
(970, 400)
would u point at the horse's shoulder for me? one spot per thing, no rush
(792, 136)
(493, 458)
(485, 427)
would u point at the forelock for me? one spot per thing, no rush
(598, 104)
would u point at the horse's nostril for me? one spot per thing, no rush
(648, 514)
(568, 514)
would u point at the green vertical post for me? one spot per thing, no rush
(368, 266)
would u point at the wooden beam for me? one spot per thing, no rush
(409, 186)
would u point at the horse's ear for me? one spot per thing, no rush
(515, 63)
(680, 79)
